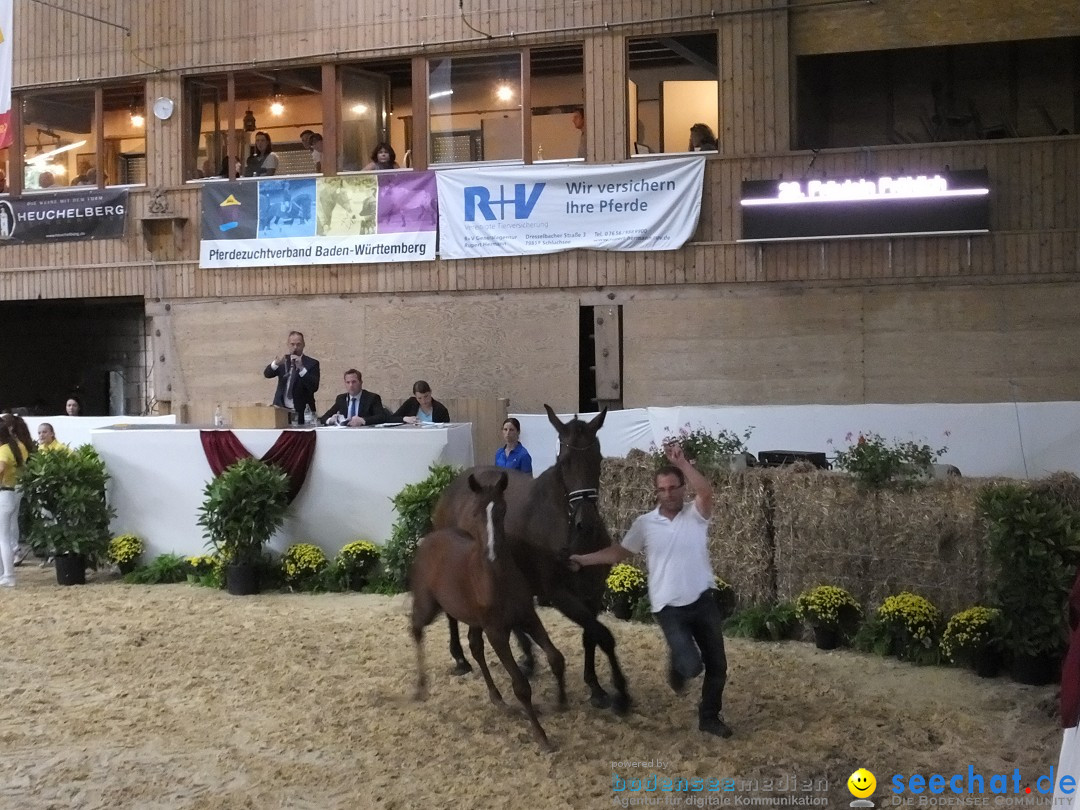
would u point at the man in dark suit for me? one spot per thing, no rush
(356, 406)
(297, 378)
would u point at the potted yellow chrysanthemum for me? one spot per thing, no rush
(302, 563)
(625, 585)
(125, 550)
(972, 637)
(355, 562)
(830, 611)
(913, 624)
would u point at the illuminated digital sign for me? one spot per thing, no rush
(938, 203)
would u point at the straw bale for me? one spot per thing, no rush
(1063, 487)
(929, 539)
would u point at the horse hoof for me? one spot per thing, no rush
(461, 668)
(621, 704)
(600, 700)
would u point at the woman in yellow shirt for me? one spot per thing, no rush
(12, 458)
(47, 440)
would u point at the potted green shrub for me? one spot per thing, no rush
(355, 563)
(125, 550)
(625, 585)
(302, 564)
(831, 611)
(913, 624)
(972, 637)
(414, 506)
(69, 513)
(242, 508)
(1033, 539)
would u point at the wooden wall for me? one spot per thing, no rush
(1035, 233)
(478, 346)
(916, 23)
(987, 343)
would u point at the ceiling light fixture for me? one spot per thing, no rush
(359, 109)
(277, 104)
(135, 111)
(504, 92)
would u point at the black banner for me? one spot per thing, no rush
(68, 215)
(828, 208)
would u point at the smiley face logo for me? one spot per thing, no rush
(861, 783)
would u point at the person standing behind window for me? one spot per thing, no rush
(702, 139)
(382, 157)
(513, 454)
(263, 162)
(73, 407)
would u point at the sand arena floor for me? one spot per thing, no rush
(175, 696)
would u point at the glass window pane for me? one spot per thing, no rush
(58, 134)
(281, 104)
(557, 78)
(376, 108)
(125, 136)
(673, 88)
(474, 108)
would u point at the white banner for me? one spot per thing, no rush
(397, 247)
(7, 45)
(511, 211)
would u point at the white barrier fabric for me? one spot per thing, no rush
(519, 210)
(1016, 440)
(158, 477)
(74, 431)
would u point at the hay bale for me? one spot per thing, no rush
(928, 539)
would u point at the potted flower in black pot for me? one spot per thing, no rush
(355, 563)
(972, 637)
(242, 509)
(831, 611)
(625, 585)
(69, 513)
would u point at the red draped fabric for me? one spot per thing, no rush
(291, 453)
(1070, 670)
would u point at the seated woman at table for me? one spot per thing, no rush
(421, 407)
(513, 454)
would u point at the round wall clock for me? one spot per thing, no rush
(163, 108)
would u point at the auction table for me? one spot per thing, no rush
(158, 474)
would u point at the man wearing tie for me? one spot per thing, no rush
(297, 378)
(356, 407)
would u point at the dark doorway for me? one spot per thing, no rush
(600, 358)
(95, 349)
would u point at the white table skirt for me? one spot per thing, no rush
(158, 476)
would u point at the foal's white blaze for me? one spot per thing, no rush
(491, 532)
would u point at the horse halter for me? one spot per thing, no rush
(576, 499)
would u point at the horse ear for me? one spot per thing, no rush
(554, 419)
(504, 479)
(474, 485)
(598, 421)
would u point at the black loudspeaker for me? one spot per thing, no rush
(779, 458)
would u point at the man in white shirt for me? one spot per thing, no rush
(674, 539)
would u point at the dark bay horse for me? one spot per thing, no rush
(547, 519)
(468, 572)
